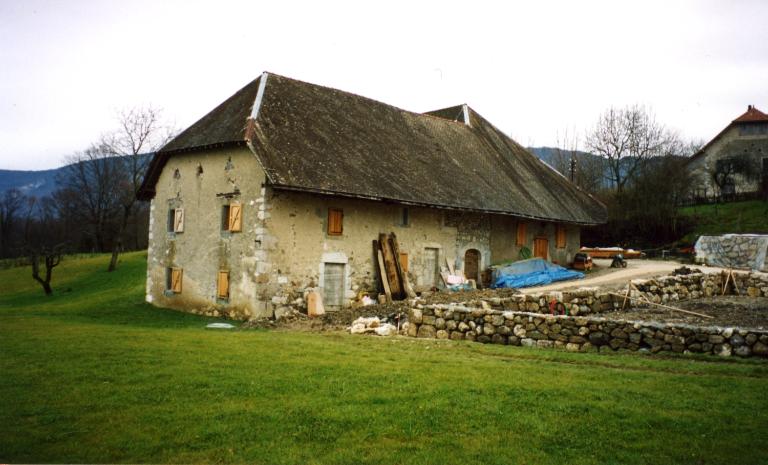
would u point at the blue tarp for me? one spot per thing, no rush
(532, 272)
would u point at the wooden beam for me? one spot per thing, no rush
(400, 269)
(383, 273)
(390, 267)
(643, 299)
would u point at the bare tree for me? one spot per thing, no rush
(10, 204)
(89, 192)
(50, 257)
(626, 138)
(582, 168)
(725, 171)
(141, 132)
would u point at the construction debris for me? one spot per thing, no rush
(392, 268)
(372, 325)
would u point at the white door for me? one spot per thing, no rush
(431, 268)
(333, 286)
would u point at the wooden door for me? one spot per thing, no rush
(540, 247)
(333, 287)
(472, 264)
(431, 268)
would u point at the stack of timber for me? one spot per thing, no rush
(391, 266)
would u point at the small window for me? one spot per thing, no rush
(232, 217)
(173, 280)
(222, 285)
(176, 220)
(335, 221)
(561, 238)
(520, 233)
(405, 219)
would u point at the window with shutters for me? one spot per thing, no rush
(174, 278)
(335, 221)
(560, 239)
(176, 220)
(232, 217)
(222, 285)
(520, 233)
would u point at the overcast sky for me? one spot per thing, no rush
(534, 69)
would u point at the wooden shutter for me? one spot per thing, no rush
(335, 221)
(404, 262)
(178, 220)
(520, 233)
(222, 285)
(560, 236)
(176, 277)
(235, 217)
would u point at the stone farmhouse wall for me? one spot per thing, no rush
(284, 247)
(522, 320)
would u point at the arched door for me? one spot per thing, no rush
(472, 264)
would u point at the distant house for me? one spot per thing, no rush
(746, 137)
(283, 187)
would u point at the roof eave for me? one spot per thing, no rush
(329, 192)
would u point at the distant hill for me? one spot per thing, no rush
(547, 154)
(31, 183)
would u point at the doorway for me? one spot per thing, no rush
(472, 264)
(431, 266)
(540, 247)
(333, 286)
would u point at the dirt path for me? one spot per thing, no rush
(615, 278)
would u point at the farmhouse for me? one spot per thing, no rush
(283, 187)
(718, 169)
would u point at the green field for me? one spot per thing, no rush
(93, 374)
(725, 218)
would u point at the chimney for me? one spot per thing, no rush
(750, 107)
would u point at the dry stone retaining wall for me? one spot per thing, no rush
(580, 334)
(523, 320)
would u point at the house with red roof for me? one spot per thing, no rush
(718, 168)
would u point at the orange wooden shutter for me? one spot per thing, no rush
(176, 276)
(520, 233)
(560, 236)
(178, 220)
(404, 262)
(222, 284)
(335, 221)
(235, 217)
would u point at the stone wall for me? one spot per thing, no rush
(747, 251)
(563, 319)
(665, 289)
(580, 334)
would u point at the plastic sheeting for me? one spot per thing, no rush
(532, 272)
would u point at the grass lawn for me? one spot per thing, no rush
(737, 217)
(93, 374)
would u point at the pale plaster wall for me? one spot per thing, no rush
(202, 249)
(701, 167)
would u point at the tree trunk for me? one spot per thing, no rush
(119, 239)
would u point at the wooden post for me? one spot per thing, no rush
(384, 280)
(643, 299)
(390, 267)
(403, 274)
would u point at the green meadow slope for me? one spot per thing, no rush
(93, 374)
(750, 217)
